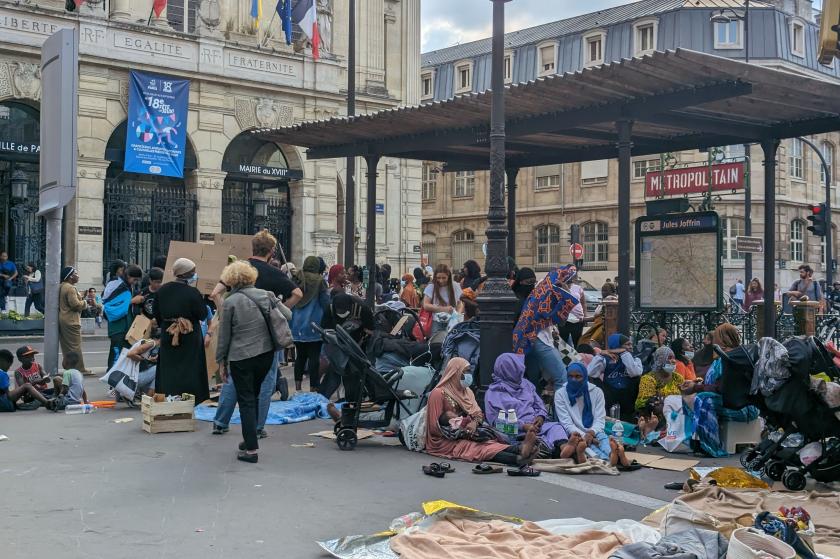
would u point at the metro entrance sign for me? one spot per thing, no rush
(576, 251)
(695, 180)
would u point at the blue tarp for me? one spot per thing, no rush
(303, 406)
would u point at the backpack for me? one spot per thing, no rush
(733, 290)
(117, 305)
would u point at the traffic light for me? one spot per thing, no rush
(829, 32)
(817, 218)
(70, 5)
(574, 234)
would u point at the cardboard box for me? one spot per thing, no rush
(209, 259)
(140, 329)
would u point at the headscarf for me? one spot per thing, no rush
(66, 272)
(511, 390)
(408, 295)
(661, 356)
(451, 386)
(615, 341)
(575, 389)
(523, 283)
(333, 274)
(726, 336)
(548, 304)
(310, 280)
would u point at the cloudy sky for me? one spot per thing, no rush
(450, 22)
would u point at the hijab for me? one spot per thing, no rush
(616, 341)
(450, 384)
(510, 389)
(408, 295)
(524, 283)
(726, 336)
(661, 356)
(310, 280)
(576, 389)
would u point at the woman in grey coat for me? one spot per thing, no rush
(245, 347)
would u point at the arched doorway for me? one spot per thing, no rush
(144, 212)
(22, 232)
(256, 193)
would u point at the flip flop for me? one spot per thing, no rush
(434, 470)
(445, 467)
(524, 471)
(634, 465)
(486, 469)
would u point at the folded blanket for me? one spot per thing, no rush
(568, 466)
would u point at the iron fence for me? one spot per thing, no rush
(692, 325)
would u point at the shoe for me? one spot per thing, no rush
(220, 430)
(434, 470)
(245, 457)
(261, 434)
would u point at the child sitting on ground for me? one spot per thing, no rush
(70, 386)
(31, 372)
(9, 397)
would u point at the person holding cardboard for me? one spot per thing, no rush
(179, 309)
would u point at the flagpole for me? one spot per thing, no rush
(265, 37)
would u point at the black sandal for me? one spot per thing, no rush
(486, 469)
(434, 470)
(632, 467)
(523, 471)
(444, 466)
(245, 457)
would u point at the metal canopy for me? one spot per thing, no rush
(677, 100)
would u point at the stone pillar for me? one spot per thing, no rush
(84, 225)
(805, 317)
(207, 186)
(121, 10)
(610, 319)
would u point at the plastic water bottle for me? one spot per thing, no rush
(501, 422)
(615, 411)
(618, 430)
(77, 409)
(513, 423)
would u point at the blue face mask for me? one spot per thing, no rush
(467, 380)
(193, 280)
(402, 283)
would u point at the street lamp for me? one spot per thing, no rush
(20, 186)
(728, 15)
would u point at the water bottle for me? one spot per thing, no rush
(77, 409)
(618, 430)
(365, 277)
(615, 411)
(501, 422)
(513, 423)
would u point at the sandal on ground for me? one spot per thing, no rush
(523, 471)
(486, 469)
(434, 470)
(445, 467)
(245, 457)
(675, 485)
(632, 467)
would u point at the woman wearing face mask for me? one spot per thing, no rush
(179, 309)
(456, 425)
(684, 352)
(662, 381)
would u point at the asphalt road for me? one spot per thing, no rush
(95, 350)
(82, 486)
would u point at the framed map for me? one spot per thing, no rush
(678, 262)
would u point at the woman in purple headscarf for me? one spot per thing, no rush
(510, 390)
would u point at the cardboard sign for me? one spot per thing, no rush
(209, 259)
(140, 329)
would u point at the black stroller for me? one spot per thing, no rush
(372, 399)
(792, 412)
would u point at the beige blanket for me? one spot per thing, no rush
(568, 466)
(468, 539)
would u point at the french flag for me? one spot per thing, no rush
(305, 14)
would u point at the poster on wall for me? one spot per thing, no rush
(156, 134)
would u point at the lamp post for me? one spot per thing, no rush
(350, 177)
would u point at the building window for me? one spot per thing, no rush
(797, 242)
(595, 237)
(728, 34)
(175, 12)
(463, 247)
(464, 184)
(645, 37)
(548, 245)
(732, 227)
(427, 85)
(797, 168)
(508, 68)
(547, 176)
(828, 153)
(594, 172)
(430, 250)
(734, 151)
(593, 49)
(797, 39)
(641, 168)
(429, 181)
(463, 74)
(548, 59)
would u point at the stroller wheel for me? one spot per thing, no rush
(794, 480)
(337, 427)
(747, 457)
(775, 470)
(346, 439)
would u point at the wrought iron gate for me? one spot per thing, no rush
(23, 234)
(141, 219)
(239, 212)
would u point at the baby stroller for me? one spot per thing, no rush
(797, 415)
(372, 399)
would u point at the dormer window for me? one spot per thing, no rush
(427, 85)
(797, 39)
(547, 59)
(463, 77)
(644, 37)
(593, 48)
(508, 67)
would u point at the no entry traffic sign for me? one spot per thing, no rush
(576, 251)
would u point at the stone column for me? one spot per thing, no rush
(207, 186)
(805, 317)
(121, 10)
(84, 226)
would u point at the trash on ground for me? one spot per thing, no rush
(4, 438)
(304, 445)
(124, 420)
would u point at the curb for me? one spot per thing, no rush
(40, 337)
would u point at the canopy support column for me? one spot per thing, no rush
(512, 173)
(769, 146)
(625, 146)
(370, 252)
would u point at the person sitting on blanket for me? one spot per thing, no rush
(473, 441)
(579, 407)
(510, 390)
(617, 371)
(661, 381)
(10, 396)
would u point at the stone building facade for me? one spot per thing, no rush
(242, 76)
(553, 198)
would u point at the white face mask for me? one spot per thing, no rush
(193, 280)
(669, 367)
(467, 381)
(689, 355)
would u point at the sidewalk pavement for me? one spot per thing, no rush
(37, 338)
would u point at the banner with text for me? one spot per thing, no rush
(157, 124)
(695, 180)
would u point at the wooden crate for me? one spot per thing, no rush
(168, 417)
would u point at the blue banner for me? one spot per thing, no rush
(157, 124)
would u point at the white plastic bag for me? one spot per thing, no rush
(454, 319)
(123, 375)
(413, 431)
(675, 434)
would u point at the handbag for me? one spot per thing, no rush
(423, 328)
(278, 326)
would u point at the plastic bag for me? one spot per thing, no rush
(810, 453)
(730, 478)
(123, 375)
(676, 432)
(413, 431)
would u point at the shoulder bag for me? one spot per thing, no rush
(278, 326)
